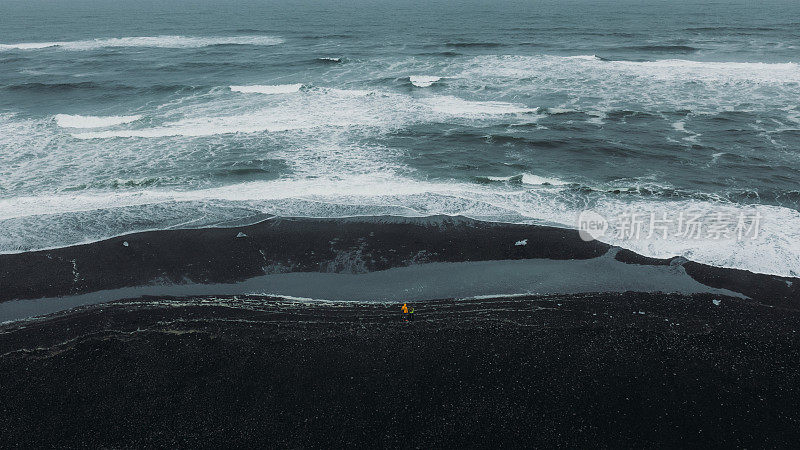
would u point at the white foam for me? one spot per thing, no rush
(725, 71)
(29, 45)
(78, 121)
(555, 111)
(245, 123)
(776, 249)
(597, 84)
(28, 221)
(584, 57)
(469, 108)
(527, 178)
(164, 41)
(692, 136)
(423, 80)
(268, 89)
(522, 66)
(597, 117)
(217, 114)
(351, 93)
(318, 107)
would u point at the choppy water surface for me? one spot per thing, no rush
(123, 117)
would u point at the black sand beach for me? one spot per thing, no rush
(595, 370)
(212, 213)
(523, 335)
(278, 245)
(266, 252)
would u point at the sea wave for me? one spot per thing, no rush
(456, 106)
(731, 29)
(78, 121)
(164, 41)
(268, 89)
(112, 88)
(524, 178)
(599, 68)
(312, 107)
(423, 80)
(447, 54)
(647, 86)
(473, 44)
(45, 221)
(655, 48)
(50, 87)
(756, 70)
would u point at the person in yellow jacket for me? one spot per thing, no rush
(405, 311)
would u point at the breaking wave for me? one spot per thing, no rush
(268, 89)
(423, 80)
(78, 121)
(147, 41)
(524, 178)
(59, 220)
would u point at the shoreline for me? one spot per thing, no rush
(381, 258)
(253, 258)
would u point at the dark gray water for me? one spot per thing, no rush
(124, 116)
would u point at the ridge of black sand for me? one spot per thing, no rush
(769, 289)
(278, 245)
(589, 370)
(352, 245)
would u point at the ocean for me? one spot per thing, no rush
(118, 117)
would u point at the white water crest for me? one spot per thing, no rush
(317, 107)
(649, 85)
(528, 178)
(469, 108)
(58, 220)
(268, 89)
(423, 80)
(164, 41)
(78, 121)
